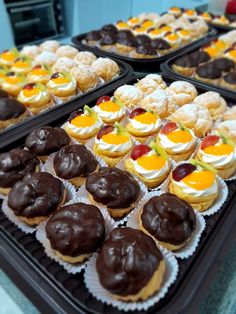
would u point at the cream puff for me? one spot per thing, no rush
(196, 183)
(46, 57)
(7, 57)
(105, 68)
(219, 152)
(199, 28)
(220, 20)
(150, 83)
(13, 83)
(30, 51)
(112, 143)
(190, 13)
(209, 73)
(230, 113)
(177, 141)
(184, 34)
(173, 39)
(182, 92)
(39, 74)
(175, 10)
(229, 80)
(50, 45)
(142, 124)
(86, 78)
(22, 65)
(83, 124)
(67, 51)
(134, 20)
(62, 85)
(230, 54)
(194, 117)
(129, 95)
(213, 102)
(85, 58)
(35, 97)
(64, 64)
(109, 109)
(149, 163)
(228, 128)
(122, 25)
(206, 16)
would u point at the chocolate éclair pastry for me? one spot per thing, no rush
(144, 51)
(143, 40)
(161, 45)
(11, 112)
(108, 41)
(125, 45)
(108, 29)
(130, 266)
(3, 94)
(224, 64)
(36, 196)
(14, 165)
(92, 37)
(75, 231)
(169, 220)
(208, 73)
(125, 33)
(74, 163)
(46, 140)
(229, 80)
(114, 188)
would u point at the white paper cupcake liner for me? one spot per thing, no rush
(191, 246)
(95, 288)
(69, 267)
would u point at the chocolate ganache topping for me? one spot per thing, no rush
(3, 94)
(168, 218)
(46, 140)
(125, 33)
(209, 71)
(15, 164)
(230, 77)
(93, 36)
(143, 40)
(224, 64)
(10, 108)
(74, 161)
(146, 50)
(160, 44)
(113, 187)
(38, 194)
(130, 42)
(108, 29)
(127, 261)
(200, 55)
(192, 60)
(76, 229)
(108, 39)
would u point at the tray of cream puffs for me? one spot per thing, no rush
(116, 203)
(147, 37)
(212, 65)
(223, 22)
(38, 79)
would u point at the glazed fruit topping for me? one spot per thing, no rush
(75, 114)
(105, 130)
(29, 86)
(182, 171)
(139, 151)
(102, 99)
(37, 66)
(10, 74)
(209, 140)
(55, 75)
(136, 112)
(169, 127)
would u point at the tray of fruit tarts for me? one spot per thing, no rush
(212, 65)
(40, 79)
(123, 205)
(223, 22)
(145, 39)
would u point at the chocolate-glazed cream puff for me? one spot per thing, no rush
(130, 266)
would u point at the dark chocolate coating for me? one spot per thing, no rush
(46, 140)
(113, 187)
(125, 33)
(209, 71)
(93, 36)
(168, 218)
(74, 161)
(10, 108)
(146, 50)
(160, 44)
(38, 194)
(192, 60)
(230, 78)
(15, 164)
(200, 55)
(127, 42)
(109, 29)
(3, 94)
(127, 261)
(143, 40)
(224, 64)
(108, 39)
(76, 229)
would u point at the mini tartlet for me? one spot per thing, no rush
(112, 143)
(109, 109)
(142, 124)
(83, 124)
(219, 152)
(7, 57)
(62, 85)
(149, 163)
(39, 74)
(177, 141)
(35, 97)
(22, 65)
(13, 83)
(196, 183)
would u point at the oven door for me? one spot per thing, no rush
(32, 21)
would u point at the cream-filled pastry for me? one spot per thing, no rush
(173, 39)
(177, 141)
(155, 33)
(190, 13)
(230, 54)
(46, 57)
(67, 51)
(83, 124)
(150, 83)
(30, 51)
(7, 57)
(133, 21)
(3, 72)
(230, 113)
(13, 82)
(35, 97)
(85, 58)
(86, 78)
(122, 25)
(50, 45)
(220, 20)
(228, 128)
(39, 74)
(62, 85)
(64, 64)
(199, 28)
(219, 152)
(184, 34)
(175, 10)
(205, 16)
(142, 124)
(105, 68)
(196, 183)
(129, 95)
(22, 65)
(182, 92)
(149, 163)
(109, 109)
(112, 143)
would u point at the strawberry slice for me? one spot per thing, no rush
(209, 140)
(140, 150)
(169, 127)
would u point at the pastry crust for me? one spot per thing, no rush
(6, 123)
(150, 83)
(110, 158)
(183, 70)
(67, 51)
(138, 133)
(105, 68)
(228, 128)
(85, 77)
(124, 50)
(37, 108)
(224, 84)
(72, 259)
(207, 80)
(81, 137)
(129, 95)
(230, 113)
(85, 58)
(64, 64)
(182, 92)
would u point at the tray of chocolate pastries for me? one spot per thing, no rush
(146, 40)
(125, 204)
(39, 80)
(212, 65)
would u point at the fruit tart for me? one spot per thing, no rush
(7, 57)
(62, 85)
(39, 74)
(22, 65)
(13, 82)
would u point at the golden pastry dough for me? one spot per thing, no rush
(85, 77)
(85, 58)
(230, 113)
(150, 83)
(105, 68)
(182, 92)
(129, 95)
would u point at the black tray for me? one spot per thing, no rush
(166, 68)
(142, 65)
(14, 132)
(53, 290)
